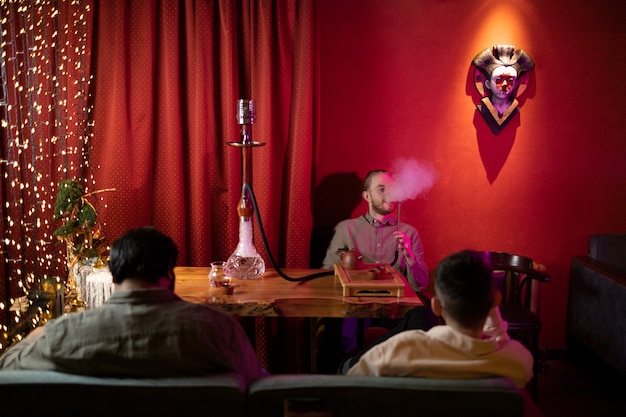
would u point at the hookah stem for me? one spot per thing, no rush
(395, 255)
(247, 187)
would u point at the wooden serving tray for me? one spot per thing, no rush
(371, 280)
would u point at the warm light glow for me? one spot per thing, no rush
(501, 22)
(46, 134)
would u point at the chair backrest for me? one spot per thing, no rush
(517, 279)
(358, 396)
(49, 393)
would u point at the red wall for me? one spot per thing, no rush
(396, 82)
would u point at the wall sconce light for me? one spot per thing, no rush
(500, 77)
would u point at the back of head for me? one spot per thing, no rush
(144, 253)
(464, 286)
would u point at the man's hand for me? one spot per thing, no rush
(404, 245)
(539, 267)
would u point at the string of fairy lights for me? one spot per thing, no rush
(46, 137)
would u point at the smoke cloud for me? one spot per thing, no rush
(411, 178)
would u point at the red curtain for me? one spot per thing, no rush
(167, 76)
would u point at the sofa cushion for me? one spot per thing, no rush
(609, 249)
(596, 311)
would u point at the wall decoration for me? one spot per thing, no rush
(501, 76)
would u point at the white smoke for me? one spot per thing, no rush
(410, 179)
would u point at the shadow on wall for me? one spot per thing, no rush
(334, 199)
(494, 150)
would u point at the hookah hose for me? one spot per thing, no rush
(395, 258)
(248, 188)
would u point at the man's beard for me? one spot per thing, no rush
(379, 208)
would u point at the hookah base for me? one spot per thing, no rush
(241, 267)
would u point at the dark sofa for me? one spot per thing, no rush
(49, 393)
(596, 309)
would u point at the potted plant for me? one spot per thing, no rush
(80, 231)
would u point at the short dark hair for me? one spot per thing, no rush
(464, 285)
(144, 253)
(368, 178)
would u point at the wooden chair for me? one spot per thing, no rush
(520, 279)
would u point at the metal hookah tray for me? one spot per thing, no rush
(371, 280)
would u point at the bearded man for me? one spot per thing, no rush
(379, 236)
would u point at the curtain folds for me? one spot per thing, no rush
(167, 76)
(140, 97)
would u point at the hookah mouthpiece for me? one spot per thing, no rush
(245, 112)
(245, 118)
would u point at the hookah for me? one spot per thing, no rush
(245, 262)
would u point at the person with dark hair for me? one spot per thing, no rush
(143, 329)
(472, 343)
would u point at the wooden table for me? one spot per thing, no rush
(273, 296)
